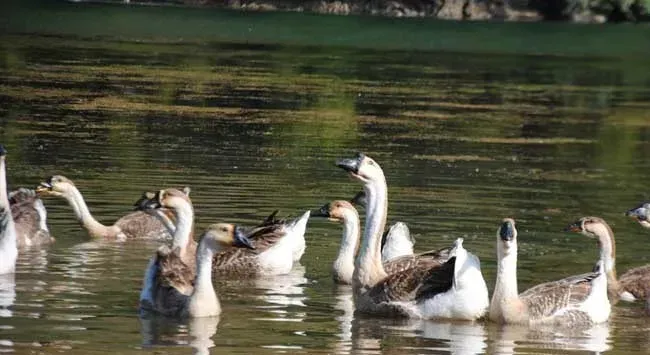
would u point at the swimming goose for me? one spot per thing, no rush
(632, 285)
(134, 225)
(165, 215)
(579, 300)
(184, 295)
(273, 239)
(8, 236)
(396, 241)
(641, 214)
(430, 288)
(30, 218)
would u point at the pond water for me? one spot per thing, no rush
(464, 139)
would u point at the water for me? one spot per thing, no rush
(465, 139)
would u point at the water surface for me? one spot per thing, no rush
(464, 140)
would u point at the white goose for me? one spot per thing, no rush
(396, 241)
(186, 295)
(632, 285)
(8, 236)
(641, 214)
(343, 267)
(428, 289)
(579, 300)
(273, 239)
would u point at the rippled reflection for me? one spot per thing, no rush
(195, 332)
(282, 294)
(513, 339)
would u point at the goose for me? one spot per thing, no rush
(165, 216)
(30, 218)
(134, 225)
(273, 239)
(343, 267)
(641, 214)
(632, 285)
(579, 300)
(396, 241)
(8, 236)
(428, 288)
(180, 294)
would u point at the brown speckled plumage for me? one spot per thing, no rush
(29, 218)
(174, 283)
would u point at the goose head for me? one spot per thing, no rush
(507, 237)
(641, 214)
(222, 235)
(362, 168)
(335, 211)
(596, 228)
(56, 185)
(149, 200)
(168, 198)
(3, 152)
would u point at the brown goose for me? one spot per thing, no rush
(430, 289)
(632, 285)
(134, 225)
(579, 300)
(8, 247)
(181, 292)
(165, 215)
(343, 268)
(273, 239)
(30, 218)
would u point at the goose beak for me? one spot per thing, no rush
(240, 240)
(351, 165)
(638, 213)
(324, 211)
(146, 203)
(359, 199)
(3, 151)
(574, 227)
(507, 231)
(43, 187)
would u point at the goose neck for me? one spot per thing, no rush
(8, 237)
(607, 250)
(369, 268)
(505, 289)
(184, 227)
(204, 301)
(344, 263)
(81, 211)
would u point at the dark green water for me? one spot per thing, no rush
(467, 134)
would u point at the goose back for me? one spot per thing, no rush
(168, 283)
(30, 218)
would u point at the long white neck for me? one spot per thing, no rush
(344, 264)
(184, 227)
(204, 301)
(606, 243)
(369, 269)
(8, 248)
(505, 290)
(81, 211)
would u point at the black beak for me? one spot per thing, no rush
(575, 227)
(322, 212)
(507, 231)
(638, 213)
(3, 151)
(240, 239)
(148, 201)
(351, 165)
(359, 199)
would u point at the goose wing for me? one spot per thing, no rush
(637, 282)
(243, 261)
(428, 278)
(29, 217)
(425, 259)
(140, 224)
(559, 297)
(172, 282)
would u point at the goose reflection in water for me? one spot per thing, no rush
(195, 332)
(511, 339)
(7, 294)
(371, 335)
(282, 292)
